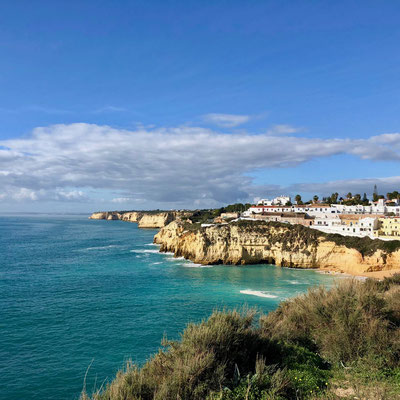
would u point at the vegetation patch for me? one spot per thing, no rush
(320, 345)
(365, 245)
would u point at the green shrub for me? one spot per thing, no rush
(347, 337)
(349, 321)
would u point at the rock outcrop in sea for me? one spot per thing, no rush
(284, 245)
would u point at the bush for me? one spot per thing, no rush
(348, 322)
(298, 351)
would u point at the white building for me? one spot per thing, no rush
(347, 225)
(319, 210)
(277, 201)
(313, 210)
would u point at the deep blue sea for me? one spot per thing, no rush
(75, 291)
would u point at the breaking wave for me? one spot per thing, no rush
(101, 247)
(144, 251)
(259, 293)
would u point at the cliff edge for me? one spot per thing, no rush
(145, 219)
(247, 242)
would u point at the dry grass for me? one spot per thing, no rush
(350, 321)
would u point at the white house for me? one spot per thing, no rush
(277, 201)
(321, 210)
(347, 225)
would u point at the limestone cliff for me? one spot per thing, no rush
(132, 216)
(280, 244)
(145, 219)
(157, 220)
(105, 215)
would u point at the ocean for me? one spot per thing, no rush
(76, 292)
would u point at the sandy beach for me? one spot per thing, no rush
(375, 274)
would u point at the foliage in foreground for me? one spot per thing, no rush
(341, 343)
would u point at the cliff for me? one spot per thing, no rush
(145, 219)
(132, 216)
(106, 215)
(280, 244)
(158, 220)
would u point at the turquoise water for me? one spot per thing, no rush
(73, 290)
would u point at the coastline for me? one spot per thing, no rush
(379, 275)
(173, 238)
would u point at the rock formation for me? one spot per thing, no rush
(145, 219)
(275, 243)
(133, 216)
(99, 215)
(157, 220)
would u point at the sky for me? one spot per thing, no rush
(119, 105)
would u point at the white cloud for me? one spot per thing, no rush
(72, 195)
(24, 194)
(121, 200)
(283, 129)
(226, 120)
(184, 165)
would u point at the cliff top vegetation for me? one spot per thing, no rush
(365, 245)
(315, 346)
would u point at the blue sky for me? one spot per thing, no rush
(194, 74)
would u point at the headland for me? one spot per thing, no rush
(241, 242)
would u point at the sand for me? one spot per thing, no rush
(375, 275)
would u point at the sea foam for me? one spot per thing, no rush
(144, 251)
(259, 293)
(101, 247)
(190, 264)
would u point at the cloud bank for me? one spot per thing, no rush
(183, 165)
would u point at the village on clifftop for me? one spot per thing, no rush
(352, 216)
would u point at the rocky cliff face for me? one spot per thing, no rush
(144, 219)
(279, 244)
(133, 216)
(106, 215)
(158, 220)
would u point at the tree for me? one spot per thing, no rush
(315, 198)
(357, 198)
(334, 198)
(365, 198)
(298, 199)
(375, 196)
(393, 195)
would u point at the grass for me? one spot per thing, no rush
(326, 344)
